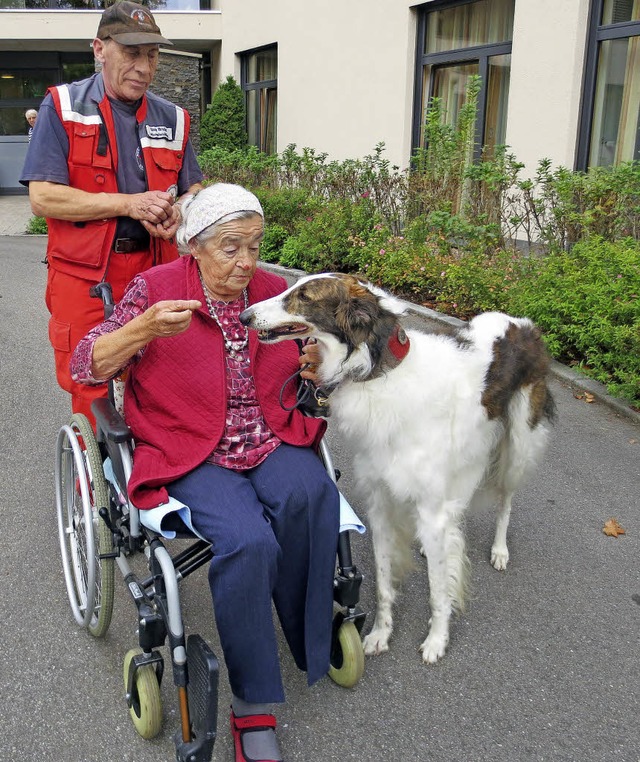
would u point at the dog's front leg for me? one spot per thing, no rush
(377, 641)
(499, 549)
(432, 537)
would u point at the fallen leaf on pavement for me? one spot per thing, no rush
(612, 528)
(586, 396)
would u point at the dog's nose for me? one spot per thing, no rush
(246, 315)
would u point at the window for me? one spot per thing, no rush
(24, 82)
(83, 5)
(610, 124)
(456, 40)
(260, 85)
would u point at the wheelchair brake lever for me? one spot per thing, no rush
(104, 515)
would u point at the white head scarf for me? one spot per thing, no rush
(211, 205)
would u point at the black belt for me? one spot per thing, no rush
(129, 245)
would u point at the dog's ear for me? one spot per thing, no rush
(356, 314)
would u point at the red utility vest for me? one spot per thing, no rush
(176, 395)
(82, 248)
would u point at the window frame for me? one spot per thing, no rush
(596, 34)
(264, 84)
(480, 53)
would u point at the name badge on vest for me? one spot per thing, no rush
(159, 132)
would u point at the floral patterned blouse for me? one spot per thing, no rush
(246, 440)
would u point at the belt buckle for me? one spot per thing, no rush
(126, 245)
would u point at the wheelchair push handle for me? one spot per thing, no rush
(104, 292)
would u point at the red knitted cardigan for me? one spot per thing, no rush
(176, 394)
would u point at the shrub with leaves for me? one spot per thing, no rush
(560, 207)
(223, 123)
(420, 268)
(250, 168)
(437, 179)
(327, 240)
(37, 226)
(587, 301)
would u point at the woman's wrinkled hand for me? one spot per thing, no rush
(171, 317)
(310, 357)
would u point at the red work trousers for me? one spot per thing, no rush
(74, 313)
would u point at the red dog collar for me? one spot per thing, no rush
(399, 343)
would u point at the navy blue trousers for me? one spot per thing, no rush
(274, 534)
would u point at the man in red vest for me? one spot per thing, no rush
(106, 163)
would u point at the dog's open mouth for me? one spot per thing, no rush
(282, 331)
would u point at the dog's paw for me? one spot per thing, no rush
(376, 642)
(499, 557)
(434, 648)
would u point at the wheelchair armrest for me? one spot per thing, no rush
(110, 422)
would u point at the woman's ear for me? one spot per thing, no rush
(193, 250)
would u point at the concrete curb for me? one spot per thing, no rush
(575, 380)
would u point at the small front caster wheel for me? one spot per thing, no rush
(347, 656)
(146, 703)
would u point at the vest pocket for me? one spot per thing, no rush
(84, 246)
(167, 160)
(81, 150)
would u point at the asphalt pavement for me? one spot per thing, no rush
(544, 666)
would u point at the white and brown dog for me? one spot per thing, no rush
(434, 420)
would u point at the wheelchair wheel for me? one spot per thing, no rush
(146, 702)
(347, 656)
(81, 490)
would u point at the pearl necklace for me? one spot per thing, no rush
(234, 347)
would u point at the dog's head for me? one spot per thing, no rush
(351, 320)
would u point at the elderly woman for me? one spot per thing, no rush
(31, 115)
(202, 402)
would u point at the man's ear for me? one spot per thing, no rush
(98, 49)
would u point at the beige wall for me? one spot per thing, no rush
(346, 73)
(73, 30)
(547, 65)
(345, 70)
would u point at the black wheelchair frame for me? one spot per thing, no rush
(99, 528)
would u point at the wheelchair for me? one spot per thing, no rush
(100, 529)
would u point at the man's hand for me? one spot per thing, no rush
(167, 228)
(151, 206)
(170, 317)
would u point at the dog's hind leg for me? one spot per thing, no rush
(518, 454)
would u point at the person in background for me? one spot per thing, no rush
(31, 115)
(202, 402)
(107, 161)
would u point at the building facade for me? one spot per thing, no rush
(560, 80)
(47, 42)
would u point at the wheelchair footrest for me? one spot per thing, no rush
(202, 692)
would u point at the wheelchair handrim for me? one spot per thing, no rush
(80, 590)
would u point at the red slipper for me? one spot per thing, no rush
(249, 724)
